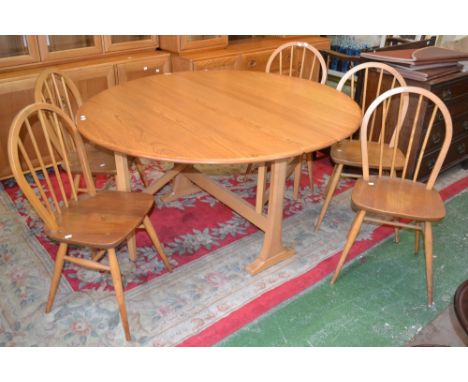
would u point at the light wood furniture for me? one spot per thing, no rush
(388, 199)
(176, 43)
(90, 77)
(301, 60)
(220, 117)
(348, 152)
(53, 87)
(99, 220)
(240, 54)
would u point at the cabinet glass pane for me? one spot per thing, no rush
(13, 46)
(122, 39)
(60, 43)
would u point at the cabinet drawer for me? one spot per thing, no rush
(256, 61)
(451, 90)
(128, 71)
(460, 127)
(231, 62)
(457, 152)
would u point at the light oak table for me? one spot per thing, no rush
(220, 117)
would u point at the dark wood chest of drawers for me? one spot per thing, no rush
(453, 90)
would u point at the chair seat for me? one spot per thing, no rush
(349, 153)
(102, 221)
(397, 197)
(100, 161)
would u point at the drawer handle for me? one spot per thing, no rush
(157, 70)
(145, 68)
(252, 63)
(446, 94)
(461, 148)
(465, 125)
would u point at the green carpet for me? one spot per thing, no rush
(379, 299)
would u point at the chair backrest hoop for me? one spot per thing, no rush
(438, 103)
(306, 46)
(42, 87)
(46, 210)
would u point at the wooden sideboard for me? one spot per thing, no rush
(239, 54)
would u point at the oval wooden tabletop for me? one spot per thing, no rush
(218, 117)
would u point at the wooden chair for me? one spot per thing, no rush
(348, 152)
(97, 220)
(53, 86)
(301, 60)
(388, 199)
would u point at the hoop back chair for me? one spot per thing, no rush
(392, 197)
(100, 221)
(301, 60)
(54, 87)
(348, 152)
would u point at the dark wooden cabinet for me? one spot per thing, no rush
(453, 90)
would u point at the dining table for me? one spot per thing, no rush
(219, 117)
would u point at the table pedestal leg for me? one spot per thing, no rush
(122, 180)
(273, 251)
(182, 187)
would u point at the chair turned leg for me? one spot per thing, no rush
(248, 170)
(353, 232)
(428, 255)
(331, 187)
(59, 260)
(397, 235)
(141, 171)
(76, 182)
(297, 178)
(154, 238)
(310, 160)
(417, 239)
(119, 293)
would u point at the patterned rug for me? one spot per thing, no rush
(208, 295)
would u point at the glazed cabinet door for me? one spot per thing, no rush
(57, 47)
(117, 43)
(141, 68)
(92, 80)
(18, 50)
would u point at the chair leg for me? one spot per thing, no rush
(261, 183)
(154, 238)
(248, 170)
(331, 187)
(297, 178)
(428, 255)
(141, 171)
(353, 232)
(397, 235)
(310, 160)
(417, 239)
(119, 293)
(59, 261)
(76, 182)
